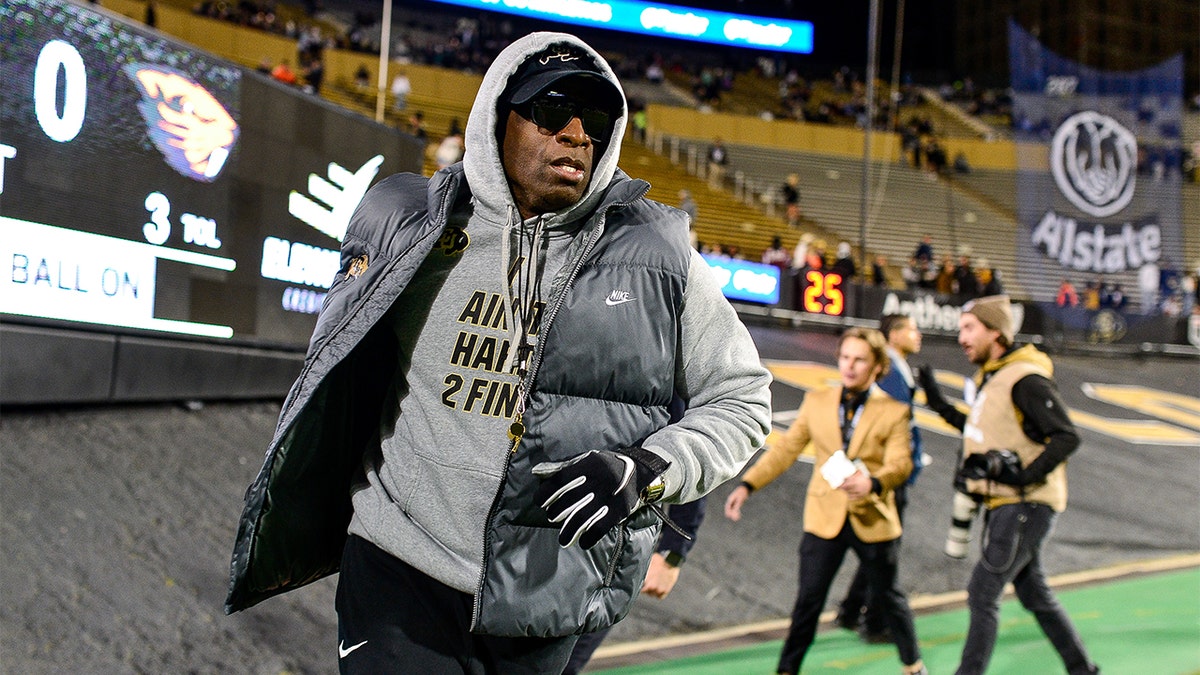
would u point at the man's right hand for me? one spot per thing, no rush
(660, 578)
(733, 504)
(933, 391)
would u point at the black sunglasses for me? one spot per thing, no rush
(555, 113)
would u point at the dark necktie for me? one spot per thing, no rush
(851, 402)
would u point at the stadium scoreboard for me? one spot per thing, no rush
(146, 185)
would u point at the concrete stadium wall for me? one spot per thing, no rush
(51, 365)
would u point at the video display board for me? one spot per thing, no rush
(663, 20)
(745, 281)
(147, 185)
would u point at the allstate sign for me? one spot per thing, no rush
(1098, 169)
(1094, 162)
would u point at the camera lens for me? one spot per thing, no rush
(958, 539)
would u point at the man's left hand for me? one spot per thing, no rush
(856, 486)
(661, 577)
(596, 491)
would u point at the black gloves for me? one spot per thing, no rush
(596, 491)
(933, 392)
(1001, 466)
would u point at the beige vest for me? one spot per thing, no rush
(995, 423)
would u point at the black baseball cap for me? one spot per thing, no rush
(567, 69)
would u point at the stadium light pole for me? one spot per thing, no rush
(385, 45)
(872, 67)
(893, 103)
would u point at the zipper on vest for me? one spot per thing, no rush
(487, 539)
(618, 551)
(516, 440)
(544, 330)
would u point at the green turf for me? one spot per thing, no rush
(1147, 625)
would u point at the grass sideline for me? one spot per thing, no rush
(1140, 592)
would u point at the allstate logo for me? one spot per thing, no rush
(1094, 161)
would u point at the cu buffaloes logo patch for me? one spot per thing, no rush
(185, 122)
(454, 240)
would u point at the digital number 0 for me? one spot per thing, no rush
(58, 55)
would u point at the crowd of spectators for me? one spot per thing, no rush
(963, 278)
(1162, 290)
(844, 100)
(470, 44)
(265, 15)
(988, 103)
(922, 148)
(308, 78)
(311, 40)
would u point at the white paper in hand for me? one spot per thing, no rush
(837, 469)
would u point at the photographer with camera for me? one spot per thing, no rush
(1016, 440)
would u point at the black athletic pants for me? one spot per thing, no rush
(819, 563)
(859, 599)
(393, 618)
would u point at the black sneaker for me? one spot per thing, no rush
(848, 621)
(880, 636)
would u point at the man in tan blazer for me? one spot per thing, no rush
(862, 431)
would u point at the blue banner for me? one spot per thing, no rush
(747, 281)
(1099, 174)
(662, 20)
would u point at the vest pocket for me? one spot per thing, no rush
(534, 587)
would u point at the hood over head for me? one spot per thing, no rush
(528, 66)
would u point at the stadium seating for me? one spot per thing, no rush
(975, 210)
(905, 205)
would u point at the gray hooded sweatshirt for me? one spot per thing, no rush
(625, 317)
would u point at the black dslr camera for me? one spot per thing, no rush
(1002, 466)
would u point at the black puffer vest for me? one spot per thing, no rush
(603, 379)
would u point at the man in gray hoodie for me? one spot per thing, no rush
(481, 432)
